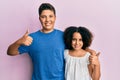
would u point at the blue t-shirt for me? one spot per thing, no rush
(47, 54)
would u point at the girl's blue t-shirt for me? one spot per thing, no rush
(47, 54)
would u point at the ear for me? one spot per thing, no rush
(55, 17)
(39, 19)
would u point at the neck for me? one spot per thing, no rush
(46, 31)
(80, 50)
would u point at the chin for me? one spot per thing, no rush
(76, 49)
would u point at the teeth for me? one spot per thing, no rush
(76, 46)
(47, 24)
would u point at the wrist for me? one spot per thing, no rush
(18, 42)
(97, 65)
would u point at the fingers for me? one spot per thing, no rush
(98, 54)
(28, 41)
(94, 59)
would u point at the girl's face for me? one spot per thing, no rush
(47, 19)
(77, 42)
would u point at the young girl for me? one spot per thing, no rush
(80, 64)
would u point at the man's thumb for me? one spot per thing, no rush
(27, 32)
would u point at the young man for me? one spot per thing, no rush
(45, 47)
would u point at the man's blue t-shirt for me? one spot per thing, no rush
(47, 54)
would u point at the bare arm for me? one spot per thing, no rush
(94, 67)
(13, 48)
(96, 72)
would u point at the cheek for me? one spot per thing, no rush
(73, 42)
(42, 20)
(82, 43)
(53, 20)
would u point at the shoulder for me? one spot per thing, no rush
(60, 31)
(88, 54)
(66, 53)
(34, 33)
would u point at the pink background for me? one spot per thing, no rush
(102, 17)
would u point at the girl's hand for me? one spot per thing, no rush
(94, 59)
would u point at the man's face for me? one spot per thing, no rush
(47, 19)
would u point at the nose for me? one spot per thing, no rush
(77, 42)
(47, 18)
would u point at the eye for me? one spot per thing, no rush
(43, 16)
(51, 16)
(80, 39)
(73, 39)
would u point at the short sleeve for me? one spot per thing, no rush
(65, 53)
(23, 49)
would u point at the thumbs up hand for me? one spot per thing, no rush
(94, 57)
(25, 39)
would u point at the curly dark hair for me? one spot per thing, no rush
(85, 33)
(46, 6)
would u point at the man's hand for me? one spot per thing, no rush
(25, 40)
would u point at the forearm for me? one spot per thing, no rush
(96, 72)
(13, 49)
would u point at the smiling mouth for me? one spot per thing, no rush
(77, 46)
(47, 24)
